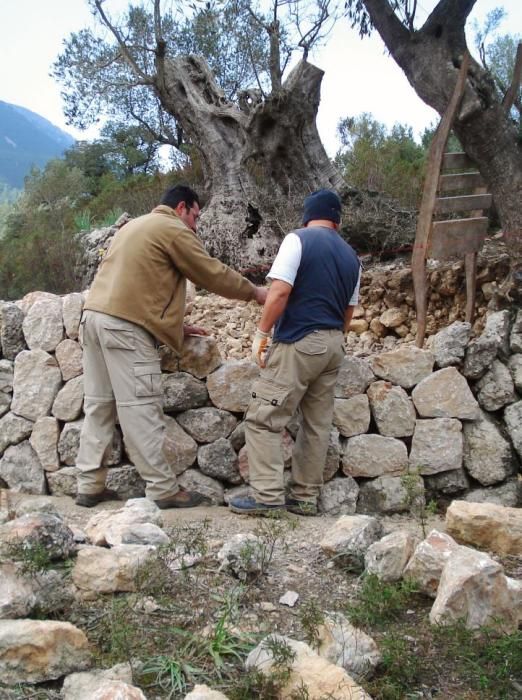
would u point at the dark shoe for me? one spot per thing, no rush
(301, 507)
(89, 500)
(182, 499)
(249, 506)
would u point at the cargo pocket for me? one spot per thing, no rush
(311, 345)
(118, 338)
(268, 404)
(147, 379)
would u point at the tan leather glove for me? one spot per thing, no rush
(259, 347)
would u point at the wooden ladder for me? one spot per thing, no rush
(449, 193)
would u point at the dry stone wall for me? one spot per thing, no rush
(449, 415)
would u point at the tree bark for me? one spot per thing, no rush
(430, 58)
(259, 161)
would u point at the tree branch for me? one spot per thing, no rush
(121, 43)
(510, 97)
(392, 31)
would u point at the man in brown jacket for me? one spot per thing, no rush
(137, 300)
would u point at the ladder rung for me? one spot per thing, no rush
(457, 237)
(466, 202)
(454, 161)
(462, 181)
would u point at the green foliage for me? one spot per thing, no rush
(311, 617)
(381, 160)
(379, 602)
(416, 498)
(33, 557)
(401, 669)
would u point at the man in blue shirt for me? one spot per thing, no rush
(315, 285)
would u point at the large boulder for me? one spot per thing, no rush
(182, 391)
(513, 421)
(21, 469)
(230, 386)
(392, 409)
(37, 379)
(406, 366)
(100, 570)
(388, 557)
(445, 394)
(207, 424)
(44, 441)
(350, 537)
(354, 377)
(436, 446)
(495, 528)
(374, 455)
(488, 456)
(449, 344)
(495, 389)
(352, 416)
(34, 651)
(43, 324)
(12, 339)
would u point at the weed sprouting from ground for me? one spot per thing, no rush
(311, 617)
(378, 602)
(34, 558)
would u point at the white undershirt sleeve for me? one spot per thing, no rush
(355, 296)
(287, 260)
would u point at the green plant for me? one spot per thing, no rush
(224, 643)
(378, 602)
(32, 555)
(311, 617)
(173, 674)
(111, 217)
(272, 532)
(83, 220)
(400, 670)
(416, 498)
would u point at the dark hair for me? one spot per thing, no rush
(179, 193)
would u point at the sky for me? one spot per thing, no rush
(359, 75)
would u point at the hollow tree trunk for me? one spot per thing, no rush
(430, 58)
(259, 161)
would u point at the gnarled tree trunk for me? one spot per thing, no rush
(259, 160)
(430, 58)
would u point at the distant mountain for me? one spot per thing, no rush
(27, 139)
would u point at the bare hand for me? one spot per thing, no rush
(260, 295)
(194, 330)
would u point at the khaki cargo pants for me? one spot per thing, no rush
(122, 375)
(297, 374)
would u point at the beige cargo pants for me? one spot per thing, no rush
(297, 374)
(122, 376)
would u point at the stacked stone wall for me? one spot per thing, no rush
(450, 416)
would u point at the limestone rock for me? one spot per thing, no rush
(21, 469)
(62, 482)
(146, 533)
(182, 391)
(513, 421)
(81, 686)
(474, 588)
(449, 344)
(445, 394)
(219, 460)
(68, 403)
(179, 448)
(338, 496)
(496, 388)
(388, 557)
(230, 386)
(6, 376)
(352, 416)
(30, 299)
(488, 456)
(200, 356)
(69, 443)
(507, 494)
(43, 324)
(480, 353)
(243, 555)
(117, 690)
(447, 483)
(498, 327)
(392, 409)
(333, 456)
(34, 651)
(37, 379)
(350, 537)
(72, 307)
(406, 366)
(100, 570)
(69, 356)
(515, 367)
(105, 527)
(17, 598)
(436, 445)
(13, 429)
(237, 436)
(374, 455)
(516, 333)
(486, 525)
(203, 692)
(41, 530)
(392, 318)
(126, 481)
(44, 441)
(207, 424)
(354, 377)
(428, 560)
(348, 647)
(388, 494)
(315, 674)
(12, 339)
(5, 402)
(194, 480)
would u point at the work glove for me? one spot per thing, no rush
(259, 347)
